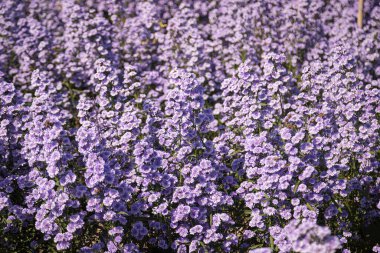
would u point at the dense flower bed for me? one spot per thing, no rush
(189, 126)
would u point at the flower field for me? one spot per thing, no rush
(190, 126)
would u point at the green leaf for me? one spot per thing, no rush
(310, 207)
(296, 186)
(256, 246)
(271, 243)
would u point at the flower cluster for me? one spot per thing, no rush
(189, 126)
